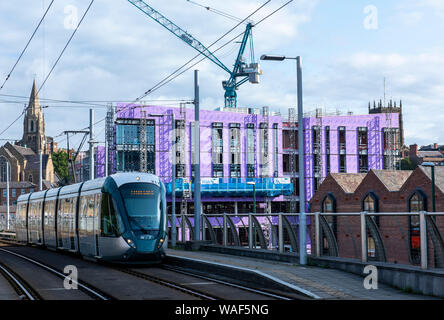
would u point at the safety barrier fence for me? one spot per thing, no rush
(411, 238)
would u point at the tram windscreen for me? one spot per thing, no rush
(142, 202)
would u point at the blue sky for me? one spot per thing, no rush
(118, 53)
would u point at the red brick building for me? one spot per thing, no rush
(393, 238)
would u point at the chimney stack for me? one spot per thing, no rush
(413, 150)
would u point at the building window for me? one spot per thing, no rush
(416, 204)
(235, 150)
(180, 148)
(14, 193)
(23, 191)
(275, 151)
(251, 151)
(370, 205)
(341, 140)
(363, 163)
(342, 163)
(264, 152)
(217, 149)
(4, 193)
(327, 149)
(3, 166)
(329, 206)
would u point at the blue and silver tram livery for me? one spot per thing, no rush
(120, 218)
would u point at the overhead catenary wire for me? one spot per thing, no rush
(27, 45)
(175, 74)
(159, 84)
(66, 46)
(166, 79)
(216, 11)
(13, 122)
(228, 42)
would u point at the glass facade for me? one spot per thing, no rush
(128, 147)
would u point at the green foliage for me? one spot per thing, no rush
(60, 162)
(407, 164)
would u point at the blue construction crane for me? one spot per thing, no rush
(248, 72)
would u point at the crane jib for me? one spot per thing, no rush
(241, 69)
(176, 30)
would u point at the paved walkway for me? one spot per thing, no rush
(325, 283)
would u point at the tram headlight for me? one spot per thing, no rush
(161, 240)
(131, 243)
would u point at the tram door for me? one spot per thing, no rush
(98, 201)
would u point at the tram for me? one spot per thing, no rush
(121, 218)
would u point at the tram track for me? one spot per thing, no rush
(166, 283)
(184, 281)
(87, 289)
(230, 290)
(226, 283)
(21, 287)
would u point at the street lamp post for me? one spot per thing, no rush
(302, 217)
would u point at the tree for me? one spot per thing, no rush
(60, 162)
(407, 164)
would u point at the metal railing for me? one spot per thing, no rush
(344, 235)
(3, 224)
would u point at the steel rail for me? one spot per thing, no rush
(168, 284)
(85, 288)
(261, 292)
(23, 289)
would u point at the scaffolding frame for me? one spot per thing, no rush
(109, 136)
(317, 149)
(294, 131)
(143, 149)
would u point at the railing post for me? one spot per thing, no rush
(317, 235)
(182, 227)
(280, 234)
(250, 231)
(364, 249)
(225, 238)
(423, 239)
(203, 226)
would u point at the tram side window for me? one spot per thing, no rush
(112, 225)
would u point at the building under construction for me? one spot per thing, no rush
(245, 145)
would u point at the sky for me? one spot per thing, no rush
(347, 48)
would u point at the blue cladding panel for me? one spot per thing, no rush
(235, 187)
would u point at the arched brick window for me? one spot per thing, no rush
(416, 203)
(329, 206)
(370, 204)
(3, 167)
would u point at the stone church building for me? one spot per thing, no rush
(24, 155)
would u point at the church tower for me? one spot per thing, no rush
(34, 125)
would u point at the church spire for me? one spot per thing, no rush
(34, 101)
